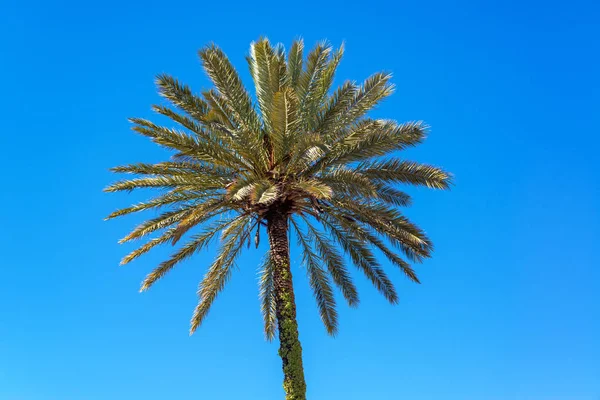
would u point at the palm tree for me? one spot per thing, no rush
(298, 158)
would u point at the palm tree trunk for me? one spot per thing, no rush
(290, 350)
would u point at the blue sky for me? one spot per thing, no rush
(509, 305)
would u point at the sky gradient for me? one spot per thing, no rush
(509, 305)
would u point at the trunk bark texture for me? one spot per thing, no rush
(290, 350)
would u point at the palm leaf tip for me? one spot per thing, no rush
(408, 172)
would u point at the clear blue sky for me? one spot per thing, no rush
(509, 307)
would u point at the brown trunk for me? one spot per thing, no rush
(290, 350)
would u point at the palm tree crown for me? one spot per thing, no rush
(301, 150)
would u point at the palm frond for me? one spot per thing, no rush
(164, 238)
(163, 221)
(187, 182)
(326, 79)
(160, 201)
(394, 258)
(366, 97)
(406, 172)
(215, 131)
(187, 145)
(344, 180)
(247, 187)
(284, 122)
(181, 96)
(265, 70)
(198, 214)
(294, 63)
(335, 264)
(389, 222)
(315, 188)
(329, 119)
(308, 82)
(349, 236)
(371, 138)
(306, 149)
(319, 283)
(267, 297)
(197, 243)
(220, 111)
(228, 83)
(219, 272)
(175, 168)
(390, 195)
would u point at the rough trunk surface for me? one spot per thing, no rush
(290, 350)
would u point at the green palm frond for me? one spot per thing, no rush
(267, 297)
(181, 96)
(265, 69)
(187, 145)
(351, 239)
(267, 195)
(228, 83)
(163, 221)
(219, 272)
(326, 79)
(164, 238)
(189, 182)
(284, 121)
(199, 214)
(371, 138)
(315, 188)
(197, 243)
(330, 117)
(294, 63)
(365, 98)
(335, 264)
(220, 110)
(391, 195)
(247, 187)
(396, 171)
(216, 131)
(238, 101)
(307, 148)
(160, 201)
(389, 223)
(319, 283)
(309, 82)
(345, 181)
(176, 168)
(185, 121)
(391, 256)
